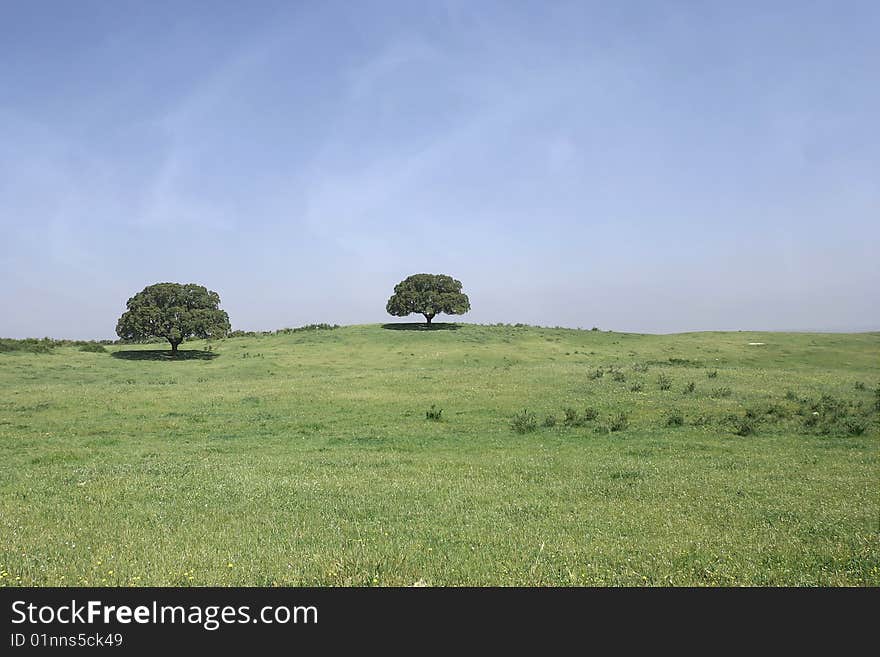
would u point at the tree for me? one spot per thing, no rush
(428, 294)
(175, 312)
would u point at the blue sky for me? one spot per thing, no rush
(656, 166)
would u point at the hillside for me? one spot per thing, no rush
(307, 459)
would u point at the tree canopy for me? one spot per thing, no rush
(173, 311)
(428, 295)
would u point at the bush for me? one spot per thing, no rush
(619, 422)
(690, 387)
(524, 422)
(596, 374)
(674, 418)
(855, 426)
(832, 416)
(618, 376)
(744, 426)
(550, 421)
(664, 382)
(434, 413)
(573, 419)
(94, 348)
(635, 387)
(712, 373)
(701, 421)
(859, 385)
(29, 345)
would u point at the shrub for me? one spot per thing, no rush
(674, 418)
(832, 416)
(596, 374)
(93, 347)
(573, 419)
(30, 345)
(664, 382)
(524, 422)
(712, 373)
(550, 420)
(619, 422)
(859, 385)
(701, 421)
(690, 387)
(855, 426)
(434, 413)
(618, 376)
(636, 387)
(723, 391)
(744, 426)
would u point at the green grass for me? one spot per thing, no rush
(307, 459)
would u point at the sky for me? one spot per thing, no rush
(635, 166)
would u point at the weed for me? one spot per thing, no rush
(550, 420)
(744, 426)
(674, 418)
(723, 391)
(434, 413)
(524, 422)
(712, 373)
(690, 387)
(664, 382)
(619, 422)
(636, 387)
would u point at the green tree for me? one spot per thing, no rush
(175, 312)
(428, 295)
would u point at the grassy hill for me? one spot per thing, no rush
(308, 459)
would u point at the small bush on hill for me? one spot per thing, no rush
(674, 418)
(93, 348)
(524, 422)
(434, 413)
(619, 422)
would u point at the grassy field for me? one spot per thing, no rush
(307, 459)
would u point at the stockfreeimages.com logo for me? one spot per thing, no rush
(210, 617)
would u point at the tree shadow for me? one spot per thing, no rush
(165, 354)
(421, 326)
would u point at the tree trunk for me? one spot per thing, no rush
(174, 348)
(429, 318)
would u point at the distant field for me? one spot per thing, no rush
(307, 459)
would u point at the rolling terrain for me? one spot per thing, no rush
(554, 457)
